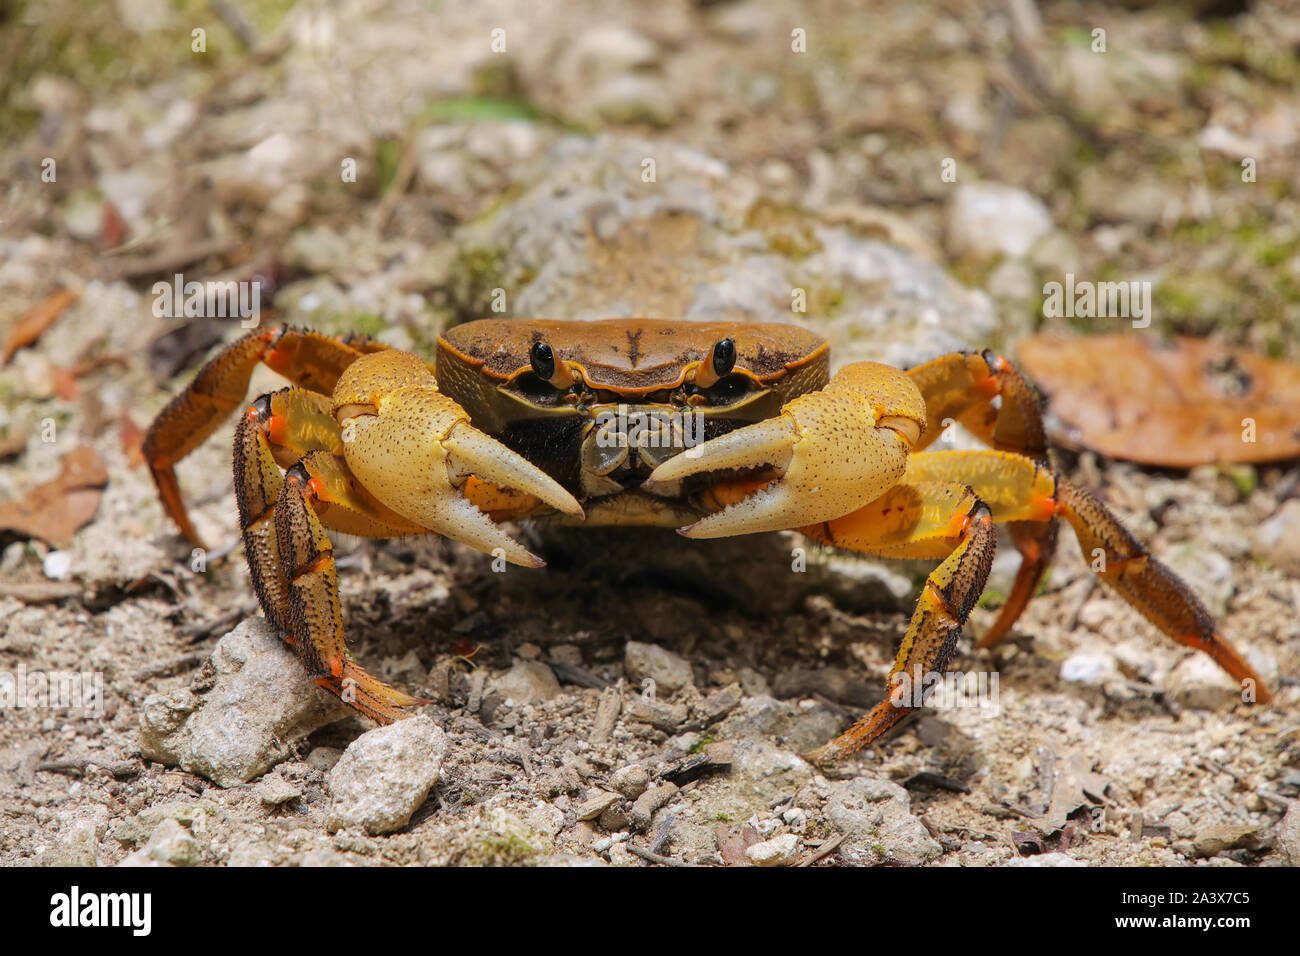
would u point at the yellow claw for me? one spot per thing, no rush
(832, 451)
(414, 448)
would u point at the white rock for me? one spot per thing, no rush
(988, 219)
(779, 851)
(80, 831)
(1045, 859)
(527, 682)
(1200, 683)
(384, 776)
(1085, 668)
(172, 843)
(610, 48)
(57, 565)
(1277, 539)
(274, 790)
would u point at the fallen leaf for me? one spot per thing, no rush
(1190, 403)
(54, 511)
(1074, 785)
(33, 323)
(733, 842)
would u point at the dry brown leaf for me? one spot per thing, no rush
(54, 511)
(33, 323)
(733, 842)
(112, 229)
(1190, 403)
(1074, 785)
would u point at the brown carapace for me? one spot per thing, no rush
(716, 429)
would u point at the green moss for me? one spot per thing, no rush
(788, 230)
(704, 741)
(501, 849)
(388, 155)
(475, 274)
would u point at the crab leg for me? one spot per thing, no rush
(922, 520)
(1150, 587)
(308, 359)
(985, 393)
(415, 449)
(290, 557)
(293, 426)
(833, 450)
(284, 520)
(1024, 492)
(313, 609)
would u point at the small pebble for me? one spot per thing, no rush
(779, 851)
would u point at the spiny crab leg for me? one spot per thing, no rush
(832, 451)
(415, 449)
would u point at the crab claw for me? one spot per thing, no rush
(830, 452)
(414, 449)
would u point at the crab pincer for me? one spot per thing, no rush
(827, 454)
(415, 449)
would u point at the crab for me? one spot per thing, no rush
(714, 429)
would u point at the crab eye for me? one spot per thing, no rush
(718, 365)
(724, 357)
(548, 368)
(543, 360)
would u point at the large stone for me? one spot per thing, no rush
(876, 817)
(261, 701)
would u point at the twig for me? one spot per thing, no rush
(78, 765)
(824, 849)
(653, 857)
(39, 592)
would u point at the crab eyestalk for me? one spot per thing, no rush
(720, 361)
